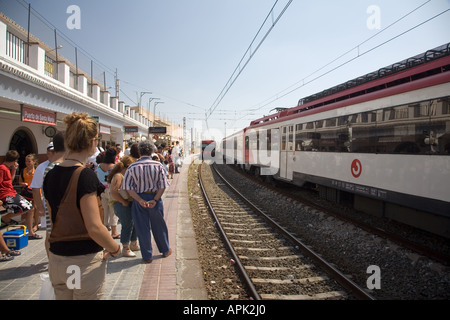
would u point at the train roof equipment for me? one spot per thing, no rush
(423, 65)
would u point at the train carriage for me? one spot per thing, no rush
(232, 148)
(208, 148)
(380, 142)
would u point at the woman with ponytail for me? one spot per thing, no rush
(122, 206)
(78, 238)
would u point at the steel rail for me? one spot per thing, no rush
(421, 249)
(254, 293)
(339, 276)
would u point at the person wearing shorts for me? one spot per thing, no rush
(13, 202)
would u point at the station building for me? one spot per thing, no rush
(39, 87)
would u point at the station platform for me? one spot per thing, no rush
(177, 277)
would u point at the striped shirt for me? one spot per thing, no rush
(145, 175)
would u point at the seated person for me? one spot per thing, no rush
(13, 202)
(7, 254)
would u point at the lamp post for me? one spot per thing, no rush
(154, 109)
(54, 49)
(149, 105)
(141, 95)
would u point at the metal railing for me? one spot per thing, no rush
(15, 47)
(49, 67)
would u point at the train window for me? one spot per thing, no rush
(415, 109)
(298, 135)
(326, 141)
(261, 139)
(426, 109)
(251, 140)
(437, 139)
(389, 114)
(412, 129)
(364, 117)
(257, 141)
(445, 103)
(352, 118)
(379, 115)
(415, 128)
(401, 112)
(330, 122)
(306, 140)
(269, 140)
(284, 139)
(342, 121)
(290, 145)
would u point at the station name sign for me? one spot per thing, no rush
(104, 129)
(38, 116)
(157, 129)
(131, 129)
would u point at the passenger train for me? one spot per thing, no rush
(379, 143)
(208, 149)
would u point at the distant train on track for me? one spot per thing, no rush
(379, 143)
(208, 149)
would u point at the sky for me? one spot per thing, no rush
(185, 51)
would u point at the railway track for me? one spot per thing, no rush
(273, 262)
(426, 250)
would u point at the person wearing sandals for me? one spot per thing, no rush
(105, 165)
(14, 203)
(122, 206)
(25, 178)
(7, 254)
(78, 236)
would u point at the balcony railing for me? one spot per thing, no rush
(49, 67)
(35, 54)
(15, 47)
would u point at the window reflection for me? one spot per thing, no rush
(416, 128)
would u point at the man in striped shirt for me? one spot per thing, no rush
(145, 180)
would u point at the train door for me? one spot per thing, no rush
(235, 148)
(251, 147)
(247, 149)
(286, 152)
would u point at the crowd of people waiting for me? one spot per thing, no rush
(80, 193)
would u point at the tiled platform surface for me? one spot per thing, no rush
(177, 277)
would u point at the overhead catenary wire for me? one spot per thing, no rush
(359, 54)
(239, 68)
(367, 51)
(347, 52)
